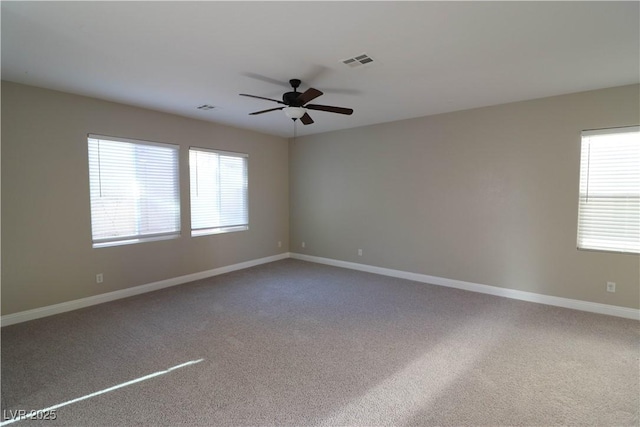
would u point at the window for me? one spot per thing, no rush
(134, 189)
(218, 191)
(609, 207)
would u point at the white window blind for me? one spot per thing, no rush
(218, 182)
(134, 189)
(609, 206)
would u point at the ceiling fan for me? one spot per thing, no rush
(295, 104)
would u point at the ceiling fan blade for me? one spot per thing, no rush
(262, 97)
(316, 72)
(308, 95)
(306, 119)
(342, 91)
(266, 111)
(267, 79)
(330, 109)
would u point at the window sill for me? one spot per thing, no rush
(134, 241)
(209, 231)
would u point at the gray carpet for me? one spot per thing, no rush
(297, 343)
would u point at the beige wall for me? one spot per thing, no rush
(486, 195)
(47, 256)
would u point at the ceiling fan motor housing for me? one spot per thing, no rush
(291, 99)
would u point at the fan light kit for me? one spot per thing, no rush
(295, 104)
(294, 112)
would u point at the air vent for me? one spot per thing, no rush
(357, 61)
(206, 107)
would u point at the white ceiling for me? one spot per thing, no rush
(429, 57)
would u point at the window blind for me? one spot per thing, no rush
(609, 205)
(134, 190)
(219, 187)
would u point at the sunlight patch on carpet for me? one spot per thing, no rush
(411, 389)
(34, 414)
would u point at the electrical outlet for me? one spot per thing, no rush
(359, 252)
(304, 245)
(279, 244)
(99, 278)
(611, 286)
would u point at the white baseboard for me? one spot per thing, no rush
(50, 310)
(611, 310)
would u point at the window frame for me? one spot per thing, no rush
(139, 237)
(208, 231)
(580, 235)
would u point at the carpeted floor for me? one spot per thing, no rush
(297, 343)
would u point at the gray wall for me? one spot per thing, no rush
(47, 256)
(486, 195)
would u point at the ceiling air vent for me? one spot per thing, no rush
(205, 107)
(357, 61)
